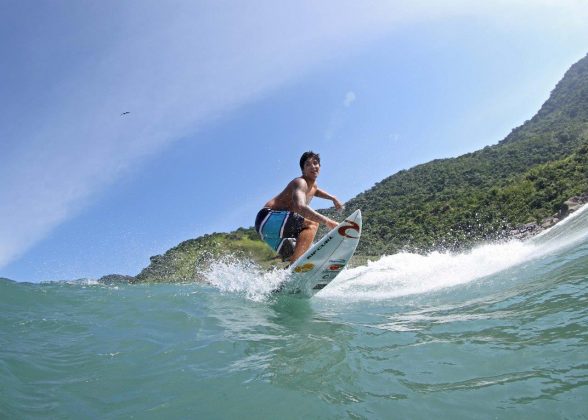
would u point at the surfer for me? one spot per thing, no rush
(286, 222)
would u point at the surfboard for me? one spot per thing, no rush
(323, 261)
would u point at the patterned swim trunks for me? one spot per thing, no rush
(279, 229)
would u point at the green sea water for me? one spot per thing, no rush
(498, 332)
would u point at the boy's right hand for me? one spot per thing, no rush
(331, 224)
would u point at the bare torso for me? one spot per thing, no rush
(284, 200)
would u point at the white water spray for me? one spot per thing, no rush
(233, 275)
(406, 274)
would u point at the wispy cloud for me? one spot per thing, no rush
(349, 99)
(172, 66)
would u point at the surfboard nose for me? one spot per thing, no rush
(355, 215)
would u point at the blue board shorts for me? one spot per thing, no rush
(279, 229)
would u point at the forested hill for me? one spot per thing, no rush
(448, 203)
(456, 202)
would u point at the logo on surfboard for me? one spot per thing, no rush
(304, 268)
(318, 248)
(349, 226)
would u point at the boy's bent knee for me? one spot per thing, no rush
(309, 224)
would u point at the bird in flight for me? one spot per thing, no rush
(124, 113)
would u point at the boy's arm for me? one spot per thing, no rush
(323, 194)
(299, 206)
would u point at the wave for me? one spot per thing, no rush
(405, 274)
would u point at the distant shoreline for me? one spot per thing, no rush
(529, 230)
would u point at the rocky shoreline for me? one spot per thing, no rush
(529, 230)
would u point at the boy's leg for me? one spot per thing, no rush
(305, 238)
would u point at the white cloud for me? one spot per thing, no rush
(173, 67)
(349, 99)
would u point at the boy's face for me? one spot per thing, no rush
(312, 168)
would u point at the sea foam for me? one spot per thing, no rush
(405, 274)
(234, 275)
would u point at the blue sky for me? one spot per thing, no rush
(225, 96)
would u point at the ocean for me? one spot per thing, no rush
(497, 332)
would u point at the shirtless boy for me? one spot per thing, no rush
(287, 219)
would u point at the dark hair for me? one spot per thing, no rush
(307, 155)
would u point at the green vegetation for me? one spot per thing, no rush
(184, 262)
(448, 203)
(431, 214)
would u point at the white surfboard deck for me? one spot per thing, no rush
(323, 261)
